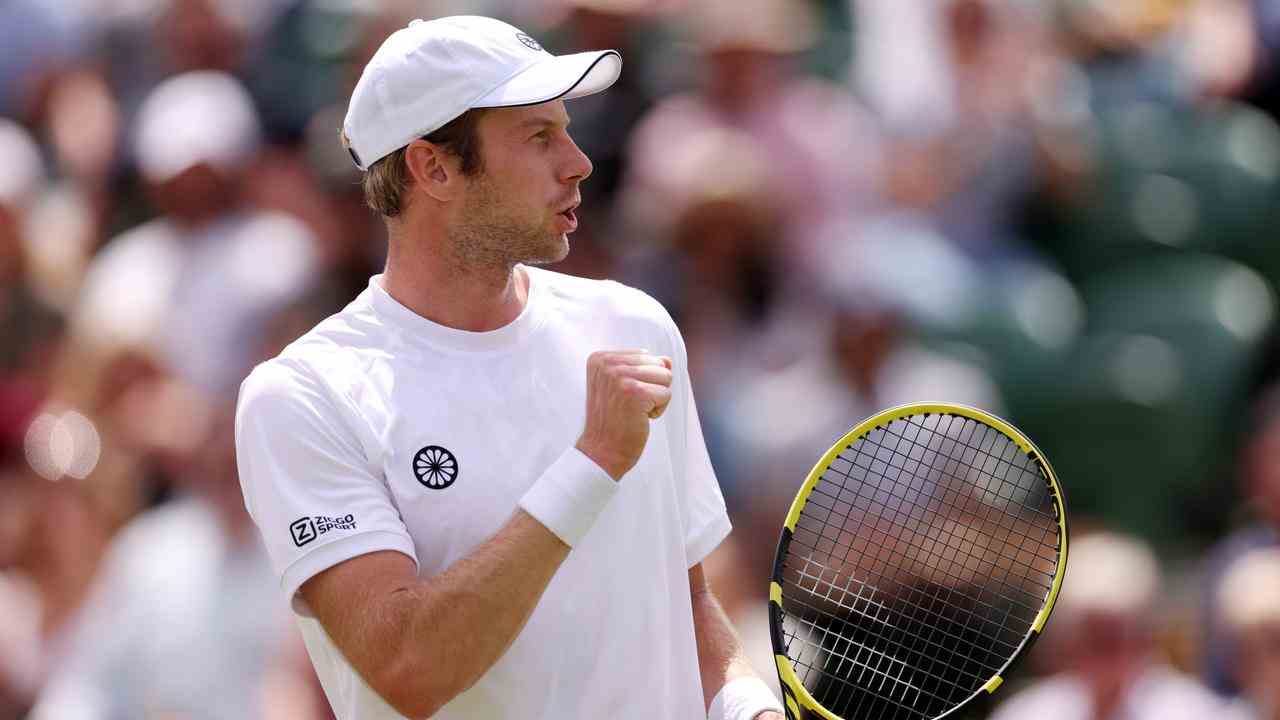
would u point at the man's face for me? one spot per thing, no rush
(520, 207)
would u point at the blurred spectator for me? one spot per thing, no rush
(184, 620)
(318, 184)
(36, 38)
(957, 111)
(51, 539)
(1264, 88)
(1249, 608)
(718, 272)
(144, 42)
(813, 140)
(1222, 56)
(1102, 635)
(865, 358)
(900, 66)
(80, 120)
(1260, 475)
(199, 283)
(603, 123)
(204, 34)
(1125, 49)
(30, 329)
(303, 61)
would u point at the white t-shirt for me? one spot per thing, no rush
(329, 435)
(181, 623)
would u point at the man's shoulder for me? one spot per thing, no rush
(337, 349)
(351, 331)
(608, 297)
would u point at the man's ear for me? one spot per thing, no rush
(433, 170)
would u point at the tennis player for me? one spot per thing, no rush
(483, 484)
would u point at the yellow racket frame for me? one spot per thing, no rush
(794, 692)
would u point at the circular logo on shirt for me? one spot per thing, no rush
(435, 467)
(528, 41)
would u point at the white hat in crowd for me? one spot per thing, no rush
(1110, 573)
(1249, 596)
(197, 117)
(429, 73)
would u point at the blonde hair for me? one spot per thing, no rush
(386, 180)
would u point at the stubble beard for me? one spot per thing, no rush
(490, 238)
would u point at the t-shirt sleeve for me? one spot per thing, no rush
(706, 520)
(307, 479)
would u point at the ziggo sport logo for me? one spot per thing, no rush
(306, 529)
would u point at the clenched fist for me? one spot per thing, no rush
(625, 390)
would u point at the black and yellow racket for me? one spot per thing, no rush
(920, 559)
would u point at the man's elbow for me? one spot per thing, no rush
(414, 688)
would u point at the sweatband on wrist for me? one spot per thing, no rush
(742, 699)
(569, 496)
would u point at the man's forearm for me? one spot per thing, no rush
(720, 654)
(456, 625)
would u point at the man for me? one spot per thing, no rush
(199, 283)
(1249, 608)
(465, 527)
(1260, 480)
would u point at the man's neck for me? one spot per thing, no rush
(476, 299)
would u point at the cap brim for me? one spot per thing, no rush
(558, 77)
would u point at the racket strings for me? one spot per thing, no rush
(917, 567)
(952, 542)
(933, 655)
(989, 512)
(848, 548)
(1027, 465)
(931, 643)
(970, 619)
(929, 614)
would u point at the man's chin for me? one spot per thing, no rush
(553, 254)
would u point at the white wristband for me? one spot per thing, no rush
(743, 699)
(569, 496)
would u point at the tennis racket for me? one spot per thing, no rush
(919, 561)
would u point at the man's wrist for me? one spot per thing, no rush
(614, 468)
(743, 698)
(569, 496)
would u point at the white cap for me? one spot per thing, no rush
(23, 170)
(776, 26)
(429, 73)
(1110, 573)
(1249, 595)
(198, 117)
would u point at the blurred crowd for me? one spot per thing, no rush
(1061, 211)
